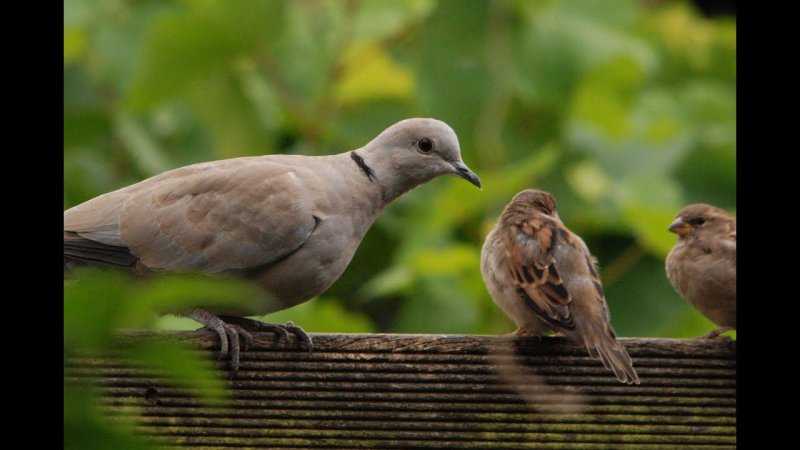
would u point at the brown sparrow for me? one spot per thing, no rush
(544, 278)
(702, 264)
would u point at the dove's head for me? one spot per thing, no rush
(702, 219)
(414, 151)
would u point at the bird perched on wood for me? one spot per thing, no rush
(702, 264)
(290, 223)
(544, 278)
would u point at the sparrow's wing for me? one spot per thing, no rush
(531, 244)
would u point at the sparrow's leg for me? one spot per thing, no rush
(281, 331)
(228, 336)
(524, 332)
(715, 333)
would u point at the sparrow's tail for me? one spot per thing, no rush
(601, 343)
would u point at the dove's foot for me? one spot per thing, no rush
(281, 331)
(228, 334)
(715, 333)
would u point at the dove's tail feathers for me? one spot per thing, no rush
(603, 345)
(79, 251)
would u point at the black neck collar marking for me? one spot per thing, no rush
(363, 166)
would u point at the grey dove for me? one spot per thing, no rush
(290, 223)
(702, 264)
(544, 278)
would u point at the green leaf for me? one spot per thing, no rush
(200, 39)
(306, 54)
(173, 322)
(648, 205)
(452, 260)
(173, 293)
(238, 132)
(323, 315)
(605, 96)
(369, 73)
(690, 323)
(87, 428)
(377, 19)
(98, 302)
(262, 96)
(451, 73)
(74, 44)
(93, 302)
(643, 132)
(559, 41)
(437, 305)
(589, 180)
(391, 281)
(76, 13)
(144, 150)
(642, 302)
(182, 367)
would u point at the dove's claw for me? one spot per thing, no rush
(228, 335)
(281, 331)
(302, 336)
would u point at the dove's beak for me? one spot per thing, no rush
(679, 227)
(463, 171)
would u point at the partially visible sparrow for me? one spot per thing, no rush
(702, 264)
(544, 278)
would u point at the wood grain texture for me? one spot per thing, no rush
(436, 391)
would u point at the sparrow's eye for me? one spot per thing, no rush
(700, 220)
(425, 145)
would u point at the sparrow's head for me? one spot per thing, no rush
(702, 219)
(541, 201)
(527, 205)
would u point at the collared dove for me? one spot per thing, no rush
(544, 278)
(290, 223)
(702, 264)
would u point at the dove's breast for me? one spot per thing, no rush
(345, 207)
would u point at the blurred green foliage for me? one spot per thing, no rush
(99, 302)
(624, 110)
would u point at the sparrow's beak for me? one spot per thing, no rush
(463, 171)
(679, 227)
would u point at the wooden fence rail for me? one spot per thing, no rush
(438, 391)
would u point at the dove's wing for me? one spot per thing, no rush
(211, 217)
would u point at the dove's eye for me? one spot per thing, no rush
(425, 145)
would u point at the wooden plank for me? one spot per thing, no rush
(433, 391)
